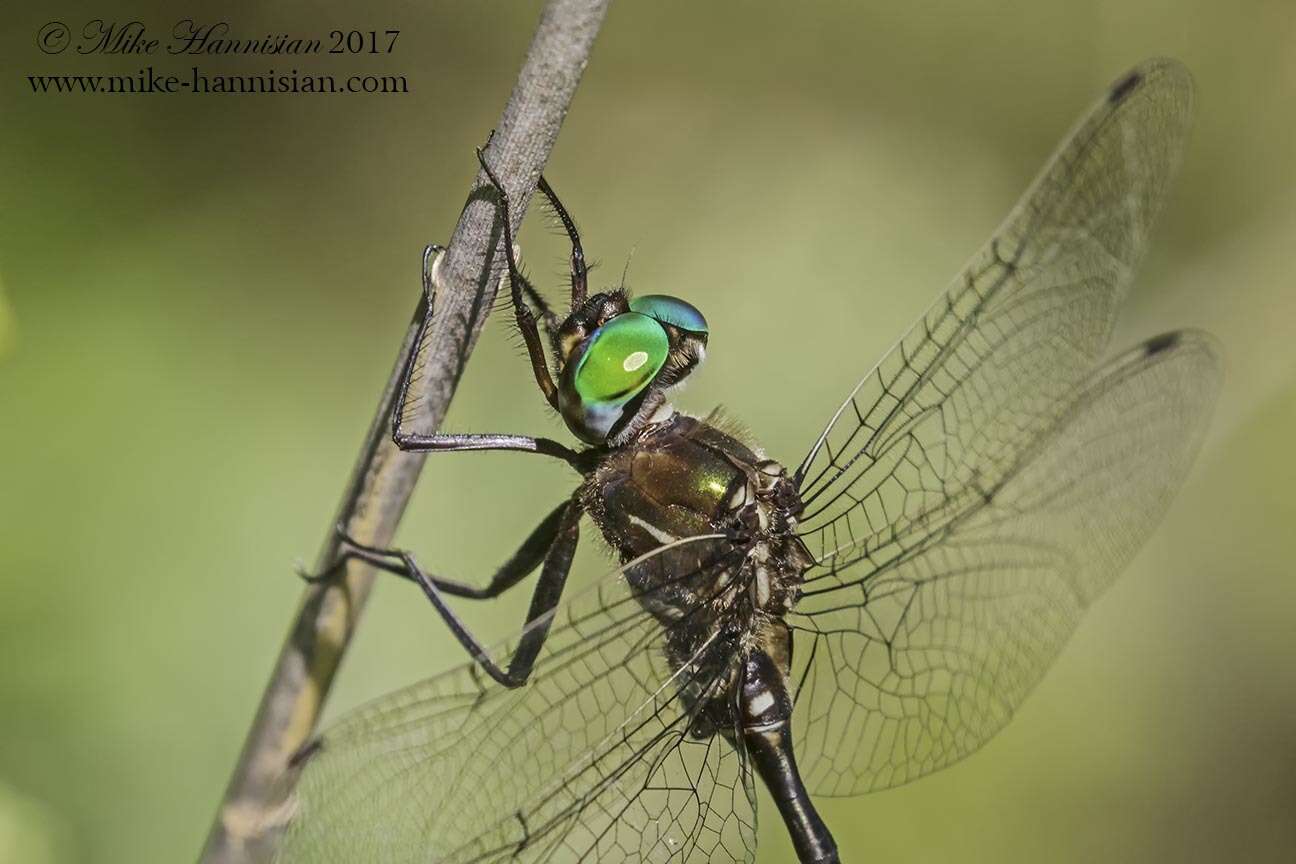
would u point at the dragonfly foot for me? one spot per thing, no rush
(310, 578)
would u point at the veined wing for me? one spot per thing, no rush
(955, 401)
(592, 759)
(913, 658)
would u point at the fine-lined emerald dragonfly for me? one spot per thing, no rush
(863, 617)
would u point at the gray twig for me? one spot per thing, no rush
(253, 811)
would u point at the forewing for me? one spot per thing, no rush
(954, 402)
(913, 659)
(590, 760)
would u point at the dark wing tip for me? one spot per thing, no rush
(1163, 342)
(1125, 86)
(1184, 346)
(1154, 72)
(1188, 340)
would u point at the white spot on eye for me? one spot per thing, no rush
(634, 361)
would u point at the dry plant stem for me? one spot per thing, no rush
(253, 811)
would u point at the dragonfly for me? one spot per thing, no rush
(868, 616)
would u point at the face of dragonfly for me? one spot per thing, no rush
(973, 495)
(615, 351)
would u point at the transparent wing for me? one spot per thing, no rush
(592, 759)
(955, 401)
(915, 656)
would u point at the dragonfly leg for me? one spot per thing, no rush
(448, 442)
(579, 272)
(547, 316)
(521, 564)
(526, 320)
(551, 546)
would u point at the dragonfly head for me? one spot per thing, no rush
(615, 352)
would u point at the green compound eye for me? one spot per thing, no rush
(623, 355)
(617, 362)
(670, 310)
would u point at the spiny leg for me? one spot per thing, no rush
(579, 272)
(442, 442)
(547, 316)
(552, 544)
(527, 557)
(526, 321)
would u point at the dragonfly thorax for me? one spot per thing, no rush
(683, 478)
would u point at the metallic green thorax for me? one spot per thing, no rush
(674, 485)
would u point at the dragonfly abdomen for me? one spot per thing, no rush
(765, 708)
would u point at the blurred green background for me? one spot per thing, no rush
(202, 297)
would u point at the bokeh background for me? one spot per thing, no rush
(202, 297)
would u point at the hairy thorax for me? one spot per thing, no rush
(683, 477)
